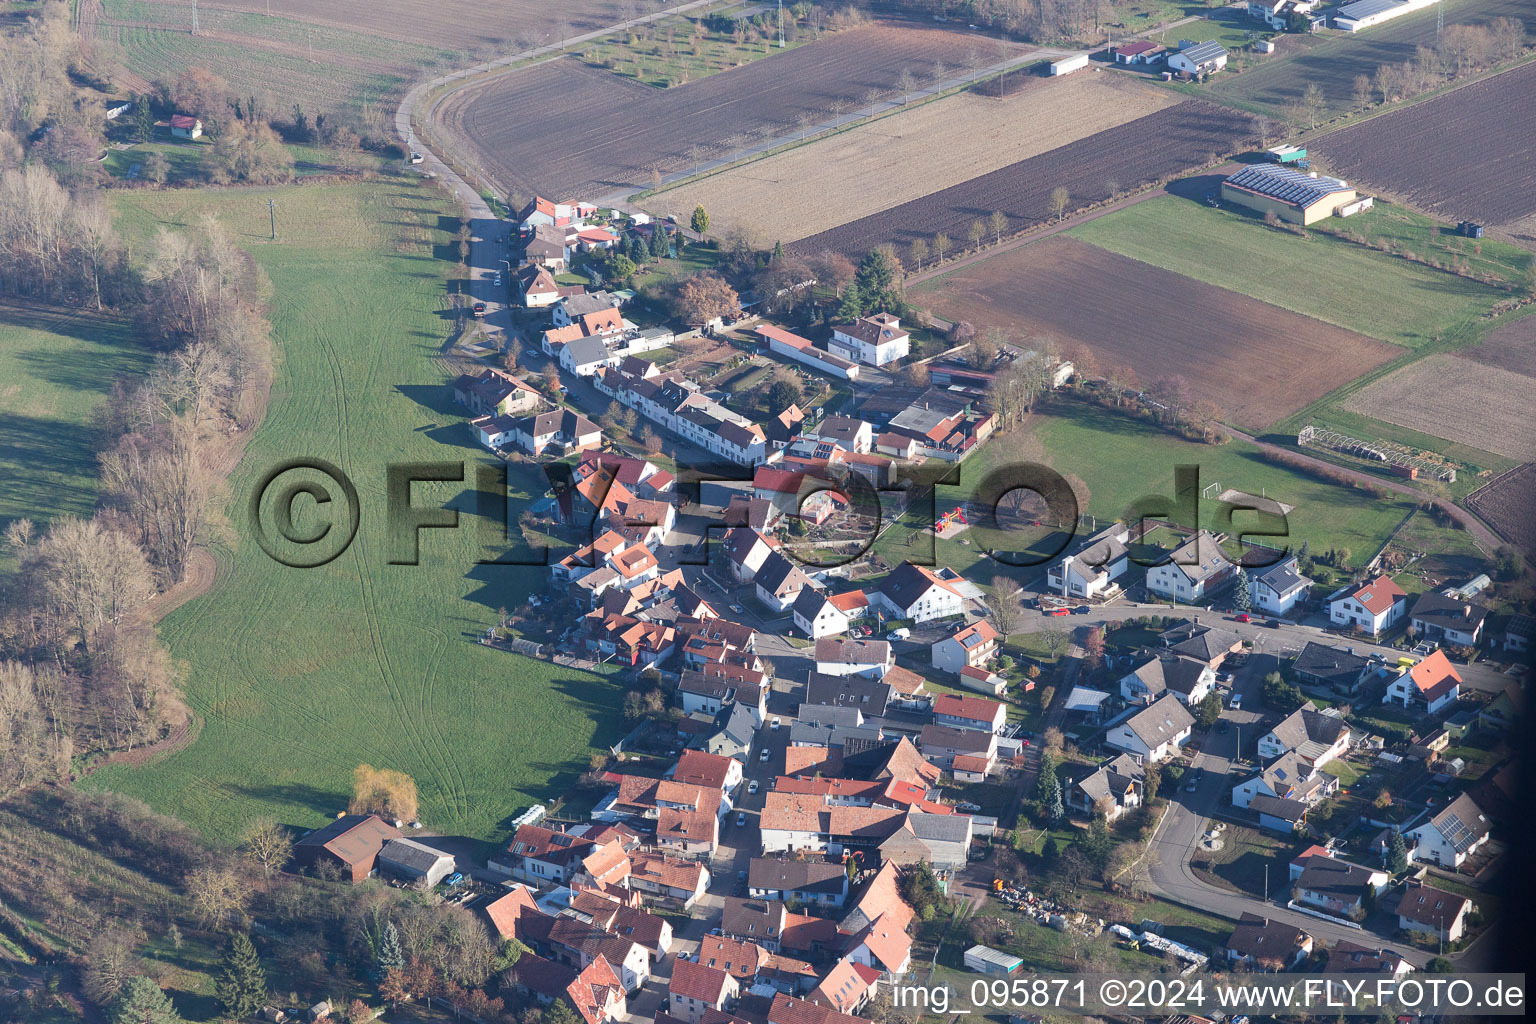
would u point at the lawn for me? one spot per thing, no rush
(1120, 460)
(1241, 862)
(300, 675)
(679, 49)
(57, 366)
(1320, 276)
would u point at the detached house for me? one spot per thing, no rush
(1336, 886)
(536, 285)
(1315, 737)
(1446, 619)
(1198, 58)
(920, 594)
(1431, 685)
(1278, 588)
(1272, 945)
(1092, 572)
(874, 340)
(976, 713)
(746, 550)
(1333, 667)
(555, 432)
(779, 582)
(971, 646)
(1114, 787)
(818, 614)
(1370, 607)
(1289, 777)
(1186, 679)
(1153, 733)
(494, 393)
(1457, 832)
(1439, 913)
(1194, 569)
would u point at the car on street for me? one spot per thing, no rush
(764, 755)
(773, 726)
(682, 954)
(1242, 617)
(1054, 612)
(1081, 609)
(417, 158)
(1236, 703)
(478, 309)
(899, 634)
(741, 819)
(968, 808)
(496, 282)
(752, 786)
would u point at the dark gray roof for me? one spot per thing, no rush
(1263, 939)
(944, 828)
(1202, 52)
(868, 695)
(1329, 663)
(1308, 725)
(1158, 724)
(1279, 807)
(778, 570)
(1330, 875)
(962, 740)
(578, 305)
(832, 714)
(1281, 577)
(1179, 674)
(1448, 612)
(809, 876)
(408, 853)
(1288, 186)
(1462, 823)
(587, 350)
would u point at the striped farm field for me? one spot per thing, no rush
(906, 156)
(1460, 400)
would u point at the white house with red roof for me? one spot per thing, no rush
(818, 614)
(1370, 607)
(976, 713)
(546, 212)
(971, 646)
(588, 239)
(185, 126)
(1430, 685)
(695, 988)
(876, 340)
(847, 986)
(919, 593)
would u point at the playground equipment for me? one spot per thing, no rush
(954, 515)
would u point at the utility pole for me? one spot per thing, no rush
(272, 217)
(1266, 883)
(194, 17)
(781, 24)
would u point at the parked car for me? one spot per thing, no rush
(478, 309)
(496, 283)
(417, 158)
(1237, 702)
(764, 755)
(969, 808)
(752, 786)
(899, 634)
(1081, 609)
(741, 876)
(1055, 612)
(682, 954)
(454, 879)
(773, 726)
(741, 819)
(1242, 617)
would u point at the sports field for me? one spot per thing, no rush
(56, 368)
(301, 674)
(1323, 277)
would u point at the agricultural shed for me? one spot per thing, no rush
(406, 858)
(1294, 196)
(986, 960)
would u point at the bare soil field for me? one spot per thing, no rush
(1508, 504)
(1460, 156)
(567, 130)
(1510, 347)
(1460, 400)
(1092, 169)
(908, 155)
(1257, 362)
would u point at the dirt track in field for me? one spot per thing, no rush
(1092, 169)
(907, 156)
(1460, 400)
(567, 130)
(1257, 362)
(1464, 155)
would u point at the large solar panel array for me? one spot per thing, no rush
(1285, 184)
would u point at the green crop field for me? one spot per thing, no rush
(56, 368)
(299, 675)
(1320, 276)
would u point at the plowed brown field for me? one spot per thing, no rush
(567, 130)
(1508, 504)
(908, 155)
(1091, 169)
(1258, 362)
(1467, 155)
(1510, 347)
(1460, 400)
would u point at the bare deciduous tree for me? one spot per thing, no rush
(269, 844)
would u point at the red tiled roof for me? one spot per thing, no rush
(974, 709)
(1379, 594)
(507, 912)
(697, 981)
(1434, 676)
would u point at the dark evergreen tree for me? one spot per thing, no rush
(1242, 592)
(142, 1002)
(242, 984)
(390, 953)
